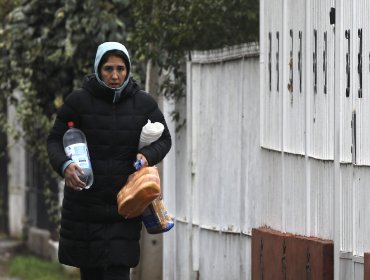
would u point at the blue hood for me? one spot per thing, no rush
(102, 49)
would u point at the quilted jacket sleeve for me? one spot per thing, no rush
(55, 149)
(156, 151)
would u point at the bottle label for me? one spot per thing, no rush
(79, 154)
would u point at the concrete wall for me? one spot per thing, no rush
(17, 181)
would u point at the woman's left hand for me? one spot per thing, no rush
(143, 158)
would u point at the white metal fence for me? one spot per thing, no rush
(324, 155)
(215, 160)
(287, 148)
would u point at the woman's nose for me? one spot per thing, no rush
(114, 74)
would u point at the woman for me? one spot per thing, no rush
(111, 110)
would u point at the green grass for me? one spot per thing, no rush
(31, 268)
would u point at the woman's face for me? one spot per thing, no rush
(114, 71)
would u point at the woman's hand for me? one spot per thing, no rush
(143, 158)
(71, 178)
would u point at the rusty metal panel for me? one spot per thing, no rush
(367, 266)
(309, 258)
(299, 261)
(268, 254)
(277, 255)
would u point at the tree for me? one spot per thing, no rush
(165, 31)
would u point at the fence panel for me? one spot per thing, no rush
(321, 86)
(294, 91)
(321, 199)
(361, 89)
(347, 73)
(271, 99)
(222, 131)
(294, 202)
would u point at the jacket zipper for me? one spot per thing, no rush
(114, 135)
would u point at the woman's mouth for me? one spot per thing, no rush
(114, 85)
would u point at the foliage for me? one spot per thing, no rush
(50, 45)
(32, 268)
(166, 31)
(7, 5)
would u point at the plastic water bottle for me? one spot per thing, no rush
(75, 146)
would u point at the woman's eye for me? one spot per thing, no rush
(108, 68)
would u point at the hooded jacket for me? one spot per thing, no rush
(102, 49)
(92, 232)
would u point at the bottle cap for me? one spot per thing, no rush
(70, 124)
(138, 164)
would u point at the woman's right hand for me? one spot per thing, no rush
(71, 178)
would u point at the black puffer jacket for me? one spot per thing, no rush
(92, 233)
